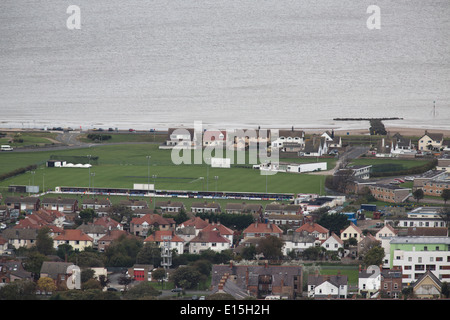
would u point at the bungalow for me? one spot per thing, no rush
(169, 206)
(288, 139)
(96, 204)
(134, 204)
(209, 240)
(214, 138)
(327, 286)
(75, 238)
(179, 137)
(204, 207)
(234, 208)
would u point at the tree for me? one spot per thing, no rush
(91, 284)
(159, 275)
(87, 274)
(444, 213)
(150, 253)
(33, 262)
(418, 195)
(46, 284)
(64, 251)
(445, 290)
(44, 243)
(334, 222)
(270, 247)
(445, 195)
(122, 252)
(18, 290)
(85, 216)
(186, 277)
(311, 253)
(374, 256)
(143, 290)
(249, 252)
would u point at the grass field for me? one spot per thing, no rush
(126, 164)
(25, 138)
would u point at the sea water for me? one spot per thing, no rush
(146, 64)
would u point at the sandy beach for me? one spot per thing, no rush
(415, 132)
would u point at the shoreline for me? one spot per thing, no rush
(404, 131)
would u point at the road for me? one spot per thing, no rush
(347, 156)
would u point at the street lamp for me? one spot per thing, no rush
(216, 178)
(207, 172)
(93, 175)
(154, 190)
(148, 174)
(203, 181)
(89, 165)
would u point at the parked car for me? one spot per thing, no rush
(177, 290)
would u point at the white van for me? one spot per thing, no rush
(6, 147)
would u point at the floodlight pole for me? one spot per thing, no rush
(89, 163)
(148, 174)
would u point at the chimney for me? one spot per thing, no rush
(266, 264)
(231, 264)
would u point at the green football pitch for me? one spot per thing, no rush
(121, 166)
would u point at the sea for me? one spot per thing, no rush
(156, 64)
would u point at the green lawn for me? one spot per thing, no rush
(407, 164)
(27, 138)
(124, 165)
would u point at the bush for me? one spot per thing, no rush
(17, 172)
(98, 137)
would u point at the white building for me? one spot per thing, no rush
(327, 286)
(369, 280)
(416, 255)
(333, 243)
(423, 217)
